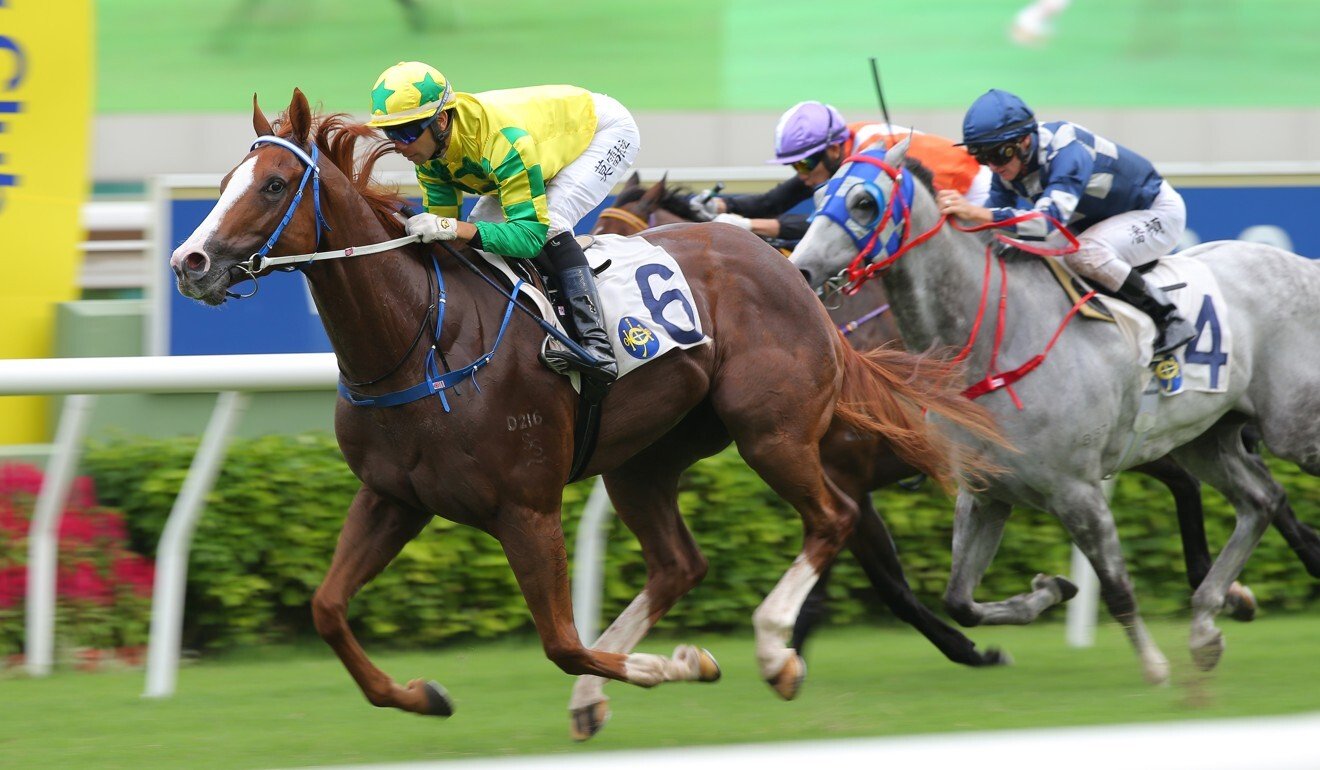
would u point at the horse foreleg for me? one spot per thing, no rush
(647, 503)
(978, 528)
(373, 534)
(1084, 512)
(874, 549)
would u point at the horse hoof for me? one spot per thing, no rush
(1240, 603)
(588, 720)
(1206, 655)
(708, 669)
(1055, 584)
(996, 657)
(789, 679)
(1156, 672)
(438, 702)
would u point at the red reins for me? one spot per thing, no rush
(859, 273)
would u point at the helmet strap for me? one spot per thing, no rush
(441, 137)
(832, 165)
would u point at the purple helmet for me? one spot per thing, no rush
(806, 129)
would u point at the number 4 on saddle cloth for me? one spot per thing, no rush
(1202, 364)
(647, 303)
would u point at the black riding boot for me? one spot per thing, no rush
(577, 285)
(1171, 329)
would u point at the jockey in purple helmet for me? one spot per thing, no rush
(814, 139)
(811, 137)
(1125, 213)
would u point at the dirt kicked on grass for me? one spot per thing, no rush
(284, 707)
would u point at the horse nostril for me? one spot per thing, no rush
(195, 262)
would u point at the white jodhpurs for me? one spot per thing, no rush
(580, 186)
(1110, 249)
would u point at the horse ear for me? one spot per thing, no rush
(259, 122)
(898, 153)
(633, 181)
(653, 195)
(300, 117)
(663, 178)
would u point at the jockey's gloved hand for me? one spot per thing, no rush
(431, 228)
(705, 206)
(736, 220)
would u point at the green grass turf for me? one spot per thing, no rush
(166, 56)
(287, 707)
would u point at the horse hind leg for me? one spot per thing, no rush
(374, 532)
(1186, 491)
(647, 502)
(793, 471)
(1219, 458)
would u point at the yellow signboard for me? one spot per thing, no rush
(46, 82)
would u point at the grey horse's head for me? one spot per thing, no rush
(849, 210)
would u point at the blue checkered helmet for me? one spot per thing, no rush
(997, 116)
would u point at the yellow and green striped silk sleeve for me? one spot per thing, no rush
(438, 196)
(513, 162)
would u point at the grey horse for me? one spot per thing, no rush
(1080, 405)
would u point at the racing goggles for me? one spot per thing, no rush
(995, 154)
(808, 163)
(407, 133)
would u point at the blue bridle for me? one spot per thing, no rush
(312, 172)
(434, 382)
(834, 206)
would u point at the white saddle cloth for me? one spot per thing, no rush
(646, 302)
(1203, 362)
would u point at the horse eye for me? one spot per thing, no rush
(861, 205)
(275, 186)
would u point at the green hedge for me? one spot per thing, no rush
(272, 521)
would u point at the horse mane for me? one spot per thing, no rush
(921, 173)
(337, 136)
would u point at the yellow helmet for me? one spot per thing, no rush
(408, 91)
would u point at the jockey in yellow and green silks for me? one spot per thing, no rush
(541, 158)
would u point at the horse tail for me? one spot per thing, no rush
(888, 392)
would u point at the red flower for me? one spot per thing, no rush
(13, 586)
(134, 572)
(82, 582)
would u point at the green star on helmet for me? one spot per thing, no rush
(429, 89)
(379, 95)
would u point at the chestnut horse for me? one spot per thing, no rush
(858, 465)
(773, 376)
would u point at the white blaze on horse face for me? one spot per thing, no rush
(774, 619)
(239, 182)
(824, 251)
